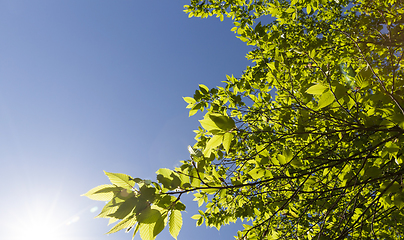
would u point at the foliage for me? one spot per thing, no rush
(306, 144)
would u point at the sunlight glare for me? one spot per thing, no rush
(42, 217)
(40, 228)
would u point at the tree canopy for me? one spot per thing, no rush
(306, 144)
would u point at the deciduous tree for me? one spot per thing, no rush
(306, 144)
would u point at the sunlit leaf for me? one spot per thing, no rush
(325, 99)
(124, 223)
(102, 193)
(175, 223)
(215, 141)
(189, 100)
(317, 89)
(227, 137)
(121, 180)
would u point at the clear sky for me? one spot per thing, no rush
(93, 85)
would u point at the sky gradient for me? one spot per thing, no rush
(94, 85)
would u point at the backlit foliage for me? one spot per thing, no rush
(306, 144)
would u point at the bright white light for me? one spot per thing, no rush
(191, 150)
(37, 231)
(38, 227)
(41, 217)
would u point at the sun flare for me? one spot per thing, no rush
(41, 218)
(39, 226)
(37, 231)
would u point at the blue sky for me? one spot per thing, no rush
(94, 85)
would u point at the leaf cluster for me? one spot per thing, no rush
(308, 142)
(138, 204)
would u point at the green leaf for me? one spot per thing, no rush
(397, 118)
(199, 222)
(136, 230)
(112, 220)
(317, 89)
(363, 78)
(110, 208)
(399, 200)
(159, 226)
(148, 219)
(218, 122)
(257, 173)
(212, 143)
(125, 208)
(204, 89)
(281, 159)
(121, 180)
(244, 39)
(349, 74)
(147, 193)
(149, 215)
(189, 100)
(194, 152)
(208, 124)
(288, 154)
(296, 163)
(209, 190)
(124, 223)
(392, 148)
(326, 99)
(175, 223)
(224, 123)
(192, 112)
(179, 206)
(168, 178)
(102, 193)
(372, 172)
(312, 53)
(146, 231)
(227, 141)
